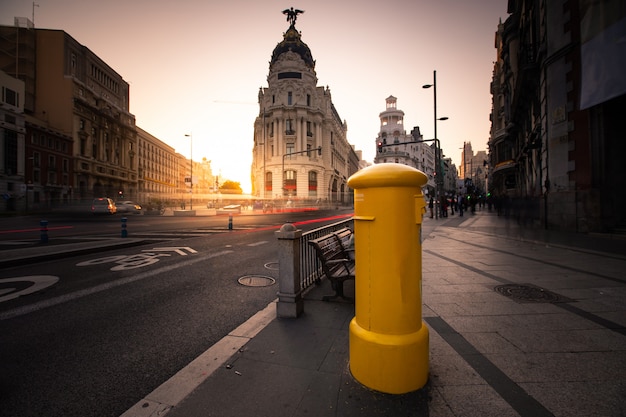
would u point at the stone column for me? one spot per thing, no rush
(290, 303)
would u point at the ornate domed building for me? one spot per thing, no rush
(301, 153)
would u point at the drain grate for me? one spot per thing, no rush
(526, 293)
(256, 281)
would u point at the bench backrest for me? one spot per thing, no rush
(345, 238)
(329, 249)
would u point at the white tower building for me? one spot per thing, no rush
(301, 153)
(401, 147)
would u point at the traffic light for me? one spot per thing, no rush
(380, 146)
(319, 151)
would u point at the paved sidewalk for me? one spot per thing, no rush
(522, 323)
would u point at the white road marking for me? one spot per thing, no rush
(179, 250)
(39, 283)
(31, 308)
(262, 242)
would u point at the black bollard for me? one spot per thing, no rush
(230, 222)
(43, 236)
(124, 231)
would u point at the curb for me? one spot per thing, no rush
(169, 394)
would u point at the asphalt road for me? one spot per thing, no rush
(119, 323)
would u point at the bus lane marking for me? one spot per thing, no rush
(31, 308)
(38, 283)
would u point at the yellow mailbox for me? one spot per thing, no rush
(388, 338)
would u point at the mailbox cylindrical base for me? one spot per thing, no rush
(393, 364)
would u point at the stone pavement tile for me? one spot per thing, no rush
(452, 369)
(588, 340)
(321, 396)
(244, 391)
(476, 400)
(357, 400)
(337, 356)
(581, 398)
(292, 343)
(491, 342)
(562, 366)
(450, 309)
(519, 323)
(438, 347)
(618, 317)
(437, 406)
(460, 290)
(615, 294)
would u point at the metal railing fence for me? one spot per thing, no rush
(310, 268)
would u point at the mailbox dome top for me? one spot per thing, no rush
(387, 175)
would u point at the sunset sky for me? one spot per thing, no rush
(196, 66)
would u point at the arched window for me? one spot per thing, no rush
(312, 184)
(268, 181)
(290, 183)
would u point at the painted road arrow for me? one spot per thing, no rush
(179, 250)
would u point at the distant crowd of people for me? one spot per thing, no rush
(522, 209)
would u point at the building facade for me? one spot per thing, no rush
(558, 94)
(70, 90)
(49, 172)
(301, 151)
(474, 168)
(12, 143)
(157, 171)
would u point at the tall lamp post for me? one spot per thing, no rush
(264, 158)
(438, 170)
(190, 170)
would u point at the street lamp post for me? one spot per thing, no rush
(264, 157)
(190, 170)
(438, 170)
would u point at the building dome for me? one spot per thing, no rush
(292, 42)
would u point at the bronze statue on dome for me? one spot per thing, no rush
(292, 15)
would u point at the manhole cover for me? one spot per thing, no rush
(272, 265)
(256, 281)
(526, 293)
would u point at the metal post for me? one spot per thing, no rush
(438, 170)
(264, 156)
(437, 148)
(43, 236)
(190, 170)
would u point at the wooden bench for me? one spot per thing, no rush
(345, 237)
(336, 260)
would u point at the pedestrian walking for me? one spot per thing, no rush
(431, 204)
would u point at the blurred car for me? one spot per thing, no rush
(128, 207)
(103, 205)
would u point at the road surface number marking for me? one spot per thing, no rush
(138, 260)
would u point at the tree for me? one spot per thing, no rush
(231, 187)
